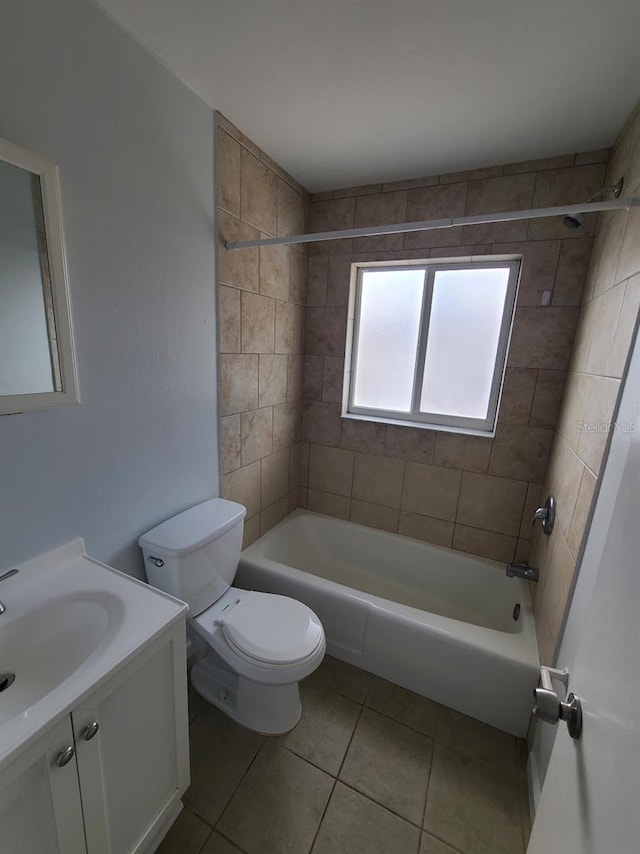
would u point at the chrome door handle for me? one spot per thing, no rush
(90, 730)
(551, 709)
(65, 756)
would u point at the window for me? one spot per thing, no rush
(429, 343)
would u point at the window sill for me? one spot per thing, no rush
(421, 425)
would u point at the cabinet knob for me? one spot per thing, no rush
(65, 756)
(90, 730)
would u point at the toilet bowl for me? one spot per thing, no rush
(251, 649)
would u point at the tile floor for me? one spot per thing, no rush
(370, 769)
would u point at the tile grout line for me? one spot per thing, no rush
(448, 844)
(426, 797)
(555, 272)
(363, 707)
(214, 827)
(521, 808)
(419, 827)
(188, 808)
(426, 794)
(209, 835)
(523, 804)
(385, 807)
(229, 840)
(402, 482)
(440, 707)
(423, 829)
(240, 781)
(335, 779)
(402, 723)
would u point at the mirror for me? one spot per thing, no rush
(37, 361)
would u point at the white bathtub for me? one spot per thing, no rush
(436, 621)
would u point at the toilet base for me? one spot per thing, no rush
(264, 708)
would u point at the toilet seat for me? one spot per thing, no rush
(265, 630)
(272, 629)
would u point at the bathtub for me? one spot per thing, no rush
(433, 620)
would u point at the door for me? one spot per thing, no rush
(131, 739)
(590, 801)
(40, 810)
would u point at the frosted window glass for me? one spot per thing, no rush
(390, 305)
(462, 341)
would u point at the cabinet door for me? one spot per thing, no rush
(40, 809)
(134, 766)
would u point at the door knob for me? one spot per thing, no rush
(551, 709)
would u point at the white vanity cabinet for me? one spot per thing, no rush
(40, 807)
(128, 763)
(134, 767)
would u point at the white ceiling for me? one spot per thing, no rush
(345, 92)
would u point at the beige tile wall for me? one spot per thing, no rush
(262, 294)
(472, 493)
(607, 321)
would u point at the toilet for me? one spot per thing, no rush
(251, 649)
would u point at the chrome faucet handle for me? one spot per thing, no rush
(547, 513)
(4, 575)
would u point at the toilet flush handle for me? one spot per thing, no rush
(156, 561)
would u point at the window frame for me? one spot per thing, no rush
(415, 418)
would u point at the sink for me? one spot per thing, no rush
(70, 623)
(43, 647)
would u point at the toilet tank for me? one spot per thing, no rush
(194, 556)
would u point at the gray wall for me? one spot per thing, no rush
(135, 150)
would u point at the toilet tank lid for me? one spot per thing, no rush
(193, 528)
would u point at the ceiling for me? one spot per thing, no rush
(346, 92)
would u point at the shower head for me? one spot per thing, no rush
(575, 221)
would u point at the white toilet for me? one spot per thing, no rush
(251, 649)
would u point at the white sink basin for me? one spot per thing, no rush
(70, 623)
(45, 646)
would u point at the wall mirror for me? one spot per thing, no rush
(37, 360)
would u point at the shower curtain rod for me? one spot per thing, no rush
(429, 225)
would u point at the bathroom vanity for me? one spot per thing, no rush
(94, 752)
